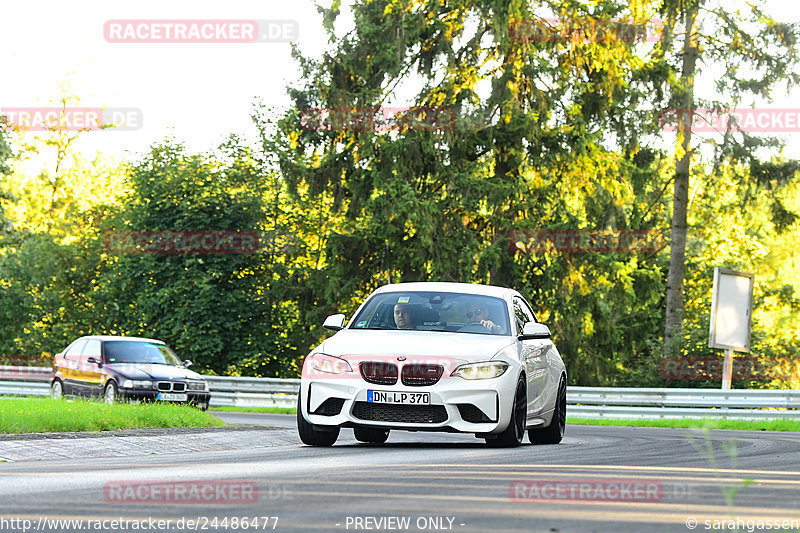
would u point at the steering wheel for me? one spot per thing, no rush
(473, 327)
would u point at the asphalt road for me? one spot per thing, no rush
(598, 479)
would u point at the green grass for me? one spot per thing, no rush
(709, 423)
(273, 410)
(38, 415)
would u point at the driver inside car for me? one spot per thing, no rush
(404, 317)
(480, 314)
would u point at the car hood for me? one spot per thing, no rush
(415, 344)
(152, 371)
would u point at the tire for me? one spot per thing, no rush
(309, 434)
(515, 432)
(57, 390)
(371, 435)
(553, 433)
(110, 396)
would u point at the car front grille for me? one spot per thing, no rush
(379, 373)
(410, 414)
(169, 386)
(421, 375)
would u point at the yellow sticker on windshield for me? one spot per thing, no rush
(403, 300)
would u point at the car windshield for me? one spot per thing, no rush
(434, 311)
(140, 352)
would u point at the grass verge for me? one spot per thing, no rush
(38, 415)
(707, 423)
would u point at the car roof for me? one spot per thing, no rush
(120, 338)
(465, 288)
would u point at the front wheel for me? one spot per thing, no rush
(110, 394)
(553, 433)
(515, 432)
(56, 390)
(371, 435)
(308, 432)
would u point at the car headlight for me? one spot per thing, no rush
(329, 364)
(197, 385)
(136, 384)
(487, 370)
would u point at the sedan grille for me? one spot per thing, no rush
(169, 386)
(379, 373)
(421, 375)
(410, 414)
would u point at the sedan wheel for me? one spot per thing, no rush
(110, 394)
(553, 433)
(56, 390)
(514, 433)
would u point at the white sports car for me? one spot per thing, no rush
(435, 357)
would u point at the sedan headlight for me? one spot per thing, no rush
(197, 385)
(329, 364)
(487, 370)
(136, 384)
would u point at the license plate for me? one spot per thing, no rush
(415, 398)
(172, 397)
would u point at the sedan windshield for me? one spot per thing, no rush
(434, 311)
(140, 352)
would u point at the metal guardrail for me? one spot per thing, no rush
(253, 392)
(584, 402)
(640, 403)
(225, 390)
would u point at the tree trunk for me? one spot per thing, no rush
(684, 97)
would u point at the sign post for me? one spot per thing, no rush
(731, 310)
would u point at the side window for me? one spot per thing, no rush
(74, 350)
(522, 313)
(91, 349)
(529, 310)
(519, 315)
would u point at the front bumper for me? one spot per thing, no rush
(480, 406)
(200, 398)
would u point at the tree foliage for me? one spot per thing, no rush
(415, 148)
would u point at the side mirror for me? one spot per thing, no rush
(534, 330)
(94, 360)
(187, 364)
(334, 322)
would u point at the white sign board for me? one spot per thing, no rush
(731, 307)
